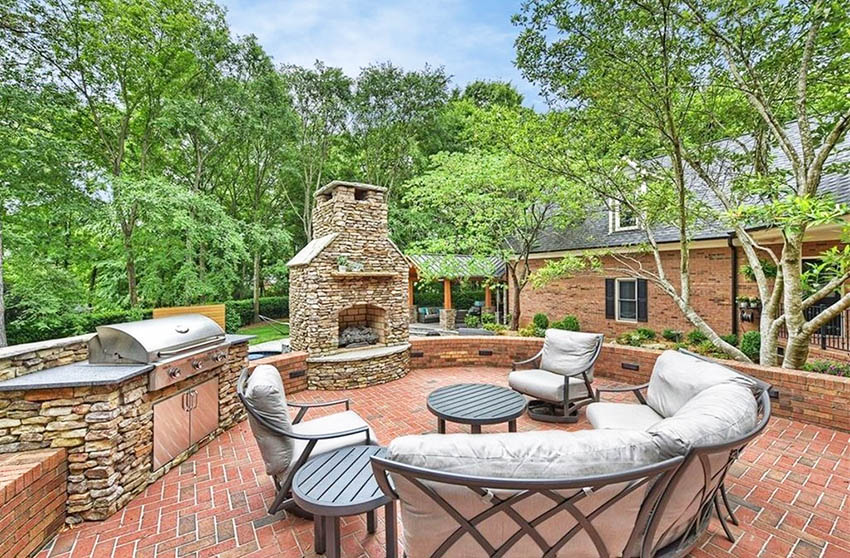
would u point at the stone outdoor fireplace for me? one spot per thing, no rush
(348, 292)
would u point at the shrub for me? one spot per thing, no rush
(471, 321)
(497, 328)
(569, 323)
(540, 321)
(531, 331)
(672, 335)
(706, 348)
(488, 318)
(751, 345)
(696, 337)
(632, 338)
(831, 367)
(232, 321)
(732, 339)
(29, 331)
(645, 333)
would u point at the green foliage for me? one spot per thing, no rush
(66, 325)
(632, 338)
(494, 327)
(531, 331)
(706, 348)
(672, 335)
(646, 333)
(768, 267)
(488, 318)
(489, 93)
(243, 310)
(569, 323)
(471, 321)
(695, 337)
(540, 320)
(265, 332)
(732, 339)
(831, 367)
(464, 294)
(751, 345)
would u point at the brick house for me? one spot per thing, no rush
(609, 302)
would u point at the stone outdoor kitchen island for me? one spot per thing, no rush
(348, 292)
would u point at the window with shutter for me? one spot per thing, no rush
(609, 299)
(642, 304)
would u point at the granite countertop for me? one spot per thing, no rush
(80, 374)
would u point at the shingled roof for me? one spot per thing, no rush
(594, 231)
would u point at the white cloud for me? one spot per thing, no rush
(469, 39)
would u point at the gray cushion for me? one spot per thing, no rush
(545, 385)
(567, 352)
(719, 414)
(337, 422)
(525, 455)
(264, 391)
(625, 416)
(677, 377)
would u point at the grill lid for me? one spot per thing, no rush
(148, 341)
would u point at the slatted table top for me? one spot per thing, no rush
(476, 403)
(339, 482)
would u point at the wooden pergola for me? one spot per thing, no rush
(450, 268)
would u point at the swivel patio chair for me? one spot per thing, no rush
(561, 377)
(286, 445)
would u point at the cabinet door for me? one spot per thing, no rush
(170, 428)
(204, 409)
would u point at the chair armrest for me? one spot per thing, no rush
(526, 361)
(634, 389)
(304, 407)
(329, 435)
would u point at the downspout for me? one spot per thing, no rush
(734, 270)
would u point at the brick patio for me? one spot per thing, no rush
(790, 489)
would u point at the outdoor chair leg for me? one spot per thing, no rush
(732, 517)
(722, 519)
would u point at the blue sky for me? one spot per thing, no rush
(471, 39)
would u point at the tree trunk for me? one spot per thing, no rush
(3, 341)
(130, 266)
(256, 286)
(516, 290)
(797, 347)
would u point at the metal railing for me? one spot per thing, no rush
(833, 336)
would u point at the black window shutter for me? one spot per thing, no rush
(642, 309)
(609, 299)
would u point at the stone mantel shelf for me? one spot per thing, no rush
(363, 274)
(365, 353)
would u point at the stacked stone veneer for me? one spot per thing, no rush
(24, 359)
(107, 432)
(321, 298)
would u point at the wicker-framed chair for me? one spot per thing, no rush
(560, 377)
(287, 446)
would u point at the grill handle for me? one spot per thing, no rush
(203, 343)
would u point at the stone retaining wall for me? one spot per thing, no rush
(358, 373)
(32, 500)
(19, 360)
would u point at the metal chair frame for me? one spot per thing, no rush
(654, 477)
(283, 500)
(566, 410)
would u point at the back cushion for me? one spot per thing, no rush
(264, 391)
(677, 377)
(566, 352)
(526, 455)
(718, 414)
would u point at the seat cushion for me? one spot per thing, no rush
(525, 455)
(265, 393)
(545, 385)
(567, 352)
(625, 416)
(337, 422)
(677, 377)
(719, 414)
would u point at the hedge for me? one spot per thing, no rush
(237, 314)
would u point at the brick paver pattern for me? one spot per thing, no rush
(789, 490)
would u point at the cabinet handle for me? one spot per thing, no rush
(184, 402)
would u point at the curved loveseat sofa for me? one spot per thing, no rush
(641, 487)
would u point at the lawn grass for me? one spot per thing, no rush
(265, 332)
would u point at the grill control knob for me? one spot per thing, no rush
(196, 364)
(219, 357)
(174, 372)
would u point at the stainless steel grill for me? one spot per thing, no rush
(178, 346)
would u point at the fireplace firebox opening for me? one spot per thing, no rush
(361, 325)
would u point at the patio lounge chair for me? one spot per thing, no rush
(676, 377)
(591, 493)
(286, 445)
(561, 378)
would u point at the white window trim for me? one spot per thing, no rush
(617, 300)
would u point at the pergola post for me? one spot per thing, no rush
(488, 300)
(412, 277)
(447, 314)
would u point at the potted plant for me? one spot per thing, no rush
(355, 266)
(342, 263)
(742, 301)
(755, 302)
